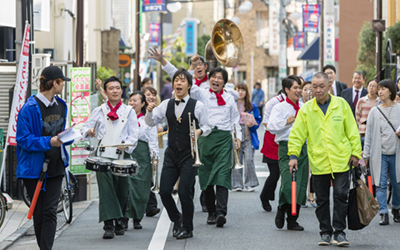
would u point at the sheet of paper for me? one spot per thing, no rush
(398, 129)
(69, 135)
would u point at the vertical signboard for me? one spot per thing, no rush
(299, 41)
(311, 14)
(79, 114)
(153, 6)
(329, 39)
(191, 37)
(154, 31)
(274, 28)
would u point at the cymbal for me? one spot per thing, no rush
(123, 145)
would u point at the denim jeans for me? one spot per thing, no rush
(388, 166)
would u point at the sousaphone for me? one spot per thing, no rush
(225, 46)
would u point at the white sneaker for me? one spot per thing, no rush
(237, 189)
(250, 189)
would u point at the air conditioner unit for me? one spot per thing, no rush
(39, 62)
(50, 51)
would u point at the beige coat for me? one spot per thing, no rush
(373, 148)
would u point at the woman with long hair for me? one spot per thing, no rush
(249, 121)
(382, 149)
(147, 147)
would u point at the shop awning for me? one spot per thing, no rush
(311, 52)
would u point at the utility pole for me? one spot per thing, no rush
(137, 44)
(160, 82)
(283, 72)
(79, 33)
(379, 43)
(321, 37)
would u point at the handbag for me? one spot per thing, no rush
(362, 205)
(390, 124)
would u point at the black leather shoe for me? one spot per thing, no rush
(266, 206)
(221, 220)
(295, 226)
(384, 220)
(204, 209)
(153, 212)
(108, 232)
(184, 234)
(211, 219)
(396, 215)
(125, 223)
(119, 230)
(177, 229)
(280, 218)
(136, 224)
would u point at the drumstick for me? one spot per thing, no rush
(294, 191)
(37, 190)
(95, 126)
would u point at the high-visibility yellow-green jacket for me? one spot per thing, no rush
(331, 139)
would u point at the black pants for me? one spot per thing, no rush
(268, 192)
(220, 195)
(152, 203)
(291, 219)
(45, 214)
(202, 199)
(178, 164)
(311, 184)
(322, 185)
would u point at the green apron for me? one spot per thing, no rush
(285, 192)
(139, 185)
(215, 153)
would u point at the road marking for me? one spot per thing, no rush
(262, 174)
(161, 232)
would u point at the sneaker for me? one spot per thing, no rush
(237, 189)
(266, 206)
(250, 189)
(325, 240)
(136, 224)
(396, 215)
(340, 240)
(125, 223)
(119, 230)
(108, 232)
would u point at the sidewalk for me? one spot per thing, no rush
(16, 224)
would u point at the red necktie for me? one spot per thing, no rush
(356, 99)
(113, 111)
(220, 100)
(140, 115)
(198, 82)
(295, 106)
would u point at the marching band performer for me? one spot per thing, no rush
(117, 124)
(280, 123)
(147, 147)
(215, 149)
(178, 161)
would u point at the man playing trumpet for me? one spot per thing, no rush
(178, 161)
(215, 149)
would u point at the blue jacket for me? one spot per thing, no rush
(253, 130)
(31, 145)
(257, 96)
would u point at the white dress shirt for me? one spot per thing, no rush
(270, 104)
(129, 133)
(334, 87)
(45, 101)
(277, 121)
(149, 135)
(355, 93)
(223, 117)
(159, 114)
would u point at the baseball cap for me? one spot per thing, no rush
(54, 72)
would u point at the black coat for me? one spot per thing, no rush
(340, 86)
(347, 94)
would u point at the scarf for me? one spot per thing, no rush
(220, 100)
(295, 106)
(140, 115)
(198, 82)
(113, 113)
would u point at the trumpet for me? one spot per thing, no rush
(236, 150)
(154, 163)
(193, 143)
(162, 133)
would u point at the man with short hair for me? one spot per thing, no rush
(258, 97)
(166, 92)
(337, 87)
(353, 94)
(333, 142)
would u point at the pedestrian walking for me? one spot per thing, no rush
(166, 92)
(258, 96)
(40, 120)
(333, 141)
(353, 94)
(249, 122)
(382, 149)
(336, 86)
(283, 115)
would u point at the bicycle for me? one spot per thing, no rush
(69, 184)
(3, 208)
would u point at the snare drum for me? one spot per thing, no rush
(125, 167)
(97, 164)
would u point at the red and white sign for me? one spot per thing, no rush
(20, 88)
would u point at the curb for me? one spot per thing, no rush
(10, 240)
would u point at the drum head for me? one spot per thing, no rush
(124, 162)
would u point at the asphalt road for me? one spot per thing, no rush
(248, 227)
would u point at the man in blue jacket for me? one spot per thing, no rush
(40, 120)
